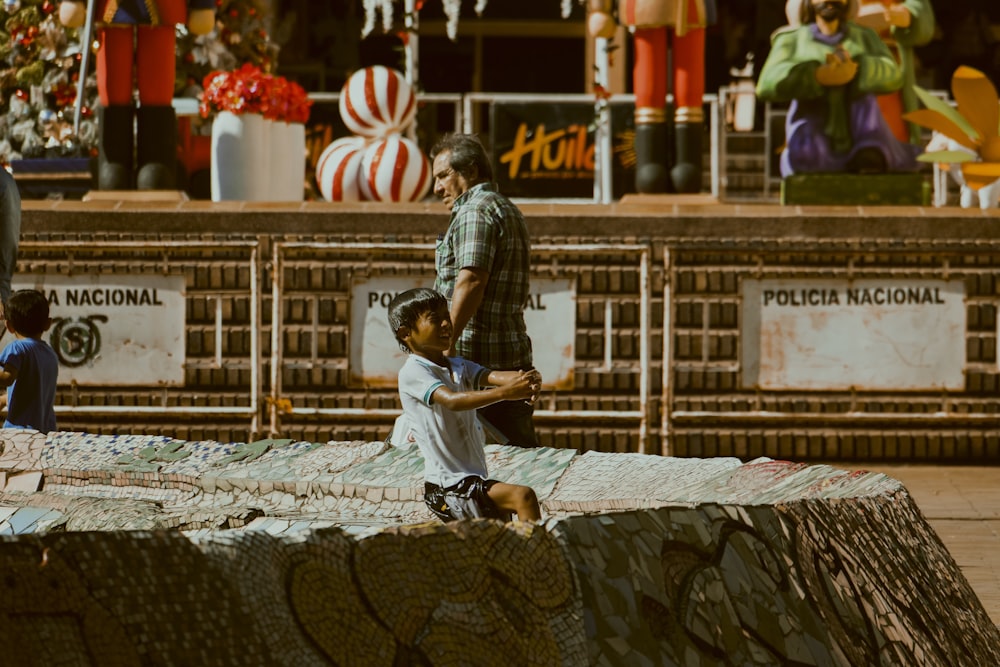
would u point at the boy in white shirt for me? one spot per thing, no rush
(440, 396)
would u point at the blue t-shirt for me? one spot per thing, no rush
(32, 396)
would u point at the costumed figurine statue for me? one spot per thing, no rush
(831, 70)
(664, 28)
(902, 26)
(137, 43)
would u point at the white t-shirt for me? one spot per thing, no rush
(451, 441)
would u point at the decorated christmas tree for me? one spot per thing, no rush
(241, 36)
(39, 70)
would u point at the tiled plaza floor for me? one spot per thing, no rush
(962, 503)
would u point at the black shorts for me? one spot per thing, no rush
(469, 499)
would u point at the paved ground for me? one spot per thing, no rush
(962, 503)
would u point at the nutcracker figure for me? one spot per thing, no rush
(654, 25)
(137, 146)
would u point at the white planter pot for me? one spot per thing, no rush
(288, 161)
(241, 147)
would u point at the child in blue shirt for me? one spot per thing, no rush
(30, 365)
(440, 396)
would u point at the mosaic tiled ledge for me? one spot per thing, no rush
(139, 550)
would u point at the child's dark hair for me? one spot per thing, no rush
(407, 307)
(28, 312)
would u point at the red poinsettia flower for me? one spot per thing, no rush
(250, 90)
(289, 101)
(245, 90)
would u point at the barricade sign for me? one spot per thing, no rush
(114, 329)
(376, 356)
(882, 334)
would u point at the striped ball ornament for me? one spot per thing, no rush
(377, 101)
(394, 169)
(338, 169)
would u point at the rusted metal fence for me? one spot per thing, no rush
(268, 346)
(311, 294)
(661, 350)
(713, 403)
(222, 346)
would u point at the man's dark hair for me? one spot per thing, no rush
(407, 307)
(465, 155)
(28, 312)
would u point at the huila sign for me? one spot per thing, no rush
(561, 153)
(545, 150)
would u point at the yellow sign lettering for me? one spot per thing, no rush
(565, 149)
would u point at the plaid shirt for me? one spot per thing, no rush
(488, 232)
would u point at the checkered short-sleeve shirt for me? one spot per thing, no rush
(487, 231)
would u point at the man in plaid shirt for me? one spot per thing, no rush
(482, 264)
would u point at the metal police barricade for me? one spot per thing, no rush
(162, 329)
(329, 313)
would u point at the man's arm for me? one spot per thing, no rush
(470, 286)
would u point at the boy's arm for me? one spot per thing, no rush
(7, 375)
(503, 377)
(497, 378)
(517, 387)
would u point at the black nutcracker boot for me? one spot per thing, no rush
(114, 147)
(156, 148)
(687, 170)
(651, 175)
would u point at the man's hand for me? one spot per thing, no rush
(838, 69)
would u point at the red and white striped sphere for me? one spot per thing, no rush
(377, 101)
(394, 169)
(338, 169)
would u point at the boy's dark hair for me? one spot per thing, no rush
(465, 152)
(407, 307)
(28, 312)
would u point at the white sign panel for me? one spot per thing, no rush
(866, 334)
(114, 329)
(376, 357)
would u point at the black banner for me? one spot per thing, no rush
(543, 150)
